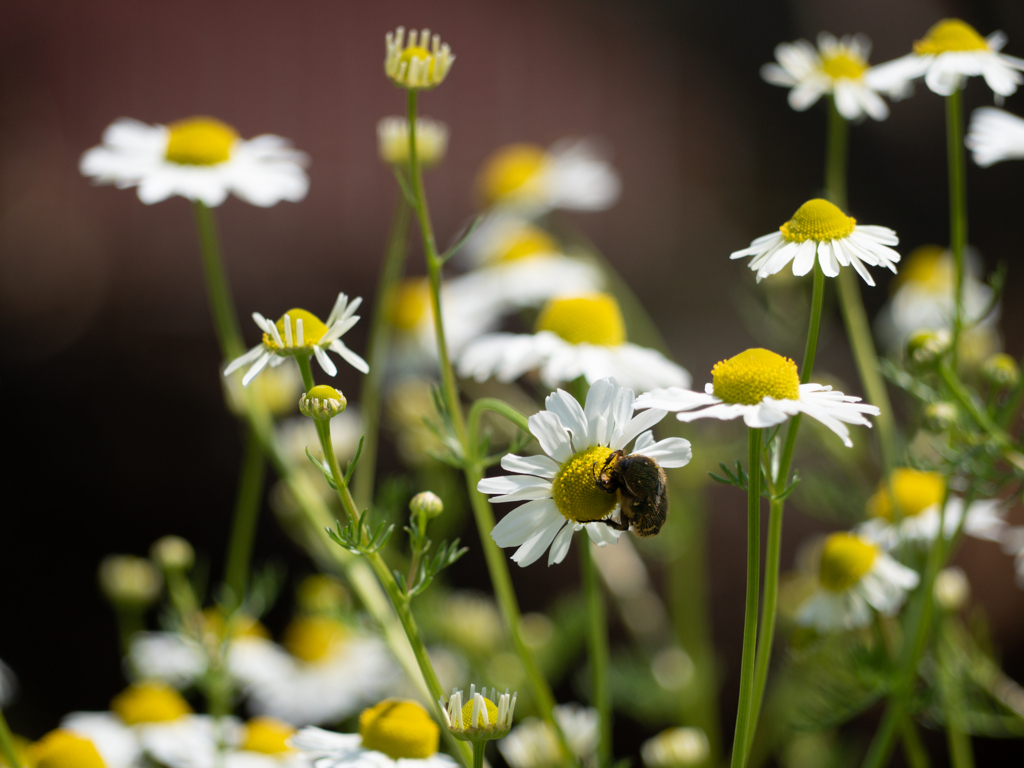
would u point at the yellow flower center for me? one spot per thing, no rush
(200, 141)
(150, 702)
(319, 593)
(526, 243)
(63, 749)
(513, 170)
(241, 625)
(950, 35)
(928, 267)
(575, 488)
(844, 561)
(846, 64)
(411, 304)
(267, 735)
(467, 714)
(751, 376)
(324, 392)
(399, 728)
(313, 329)
(314, 638)
(818, 220)
(422, 54)
(915, 491)
(592, 319)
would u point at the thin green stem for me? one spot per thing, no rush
(957, 202)
(7, 749)
(837, 150)
(494, 405)
(129, 621)
(478, 753)
(247, 512)
(222, 306)
(997, 434)
(597, 645)
(377, 350)
(913, 747)
(746, 705)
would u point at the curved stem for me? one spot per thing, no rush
(957, 203)
(247, 511)
(222, 306)
(494, 405)
(745, 709)
(597, 645)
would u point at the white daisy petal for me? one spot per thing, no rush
(532, 549)
(541, 466)
(523, 522)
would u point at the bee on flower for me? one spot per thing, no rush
(200, 158)
(995, 135)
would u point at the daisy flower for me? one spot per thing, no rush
(764, 388)
(533, 744)
(561, 488)
(480, 719)
(919, 496)
(572, 174)
(854, 576)
(837, 67)
(393, 141)
(951, 51)
(299, 332)
(676, 747)
(820, 228)
(994, 136)
(199, 158)
(395, 733)
(418, 64)
(259, 743)
(99, 748)
(575, 336)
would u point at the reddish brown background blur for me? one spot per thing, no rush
(114, 427)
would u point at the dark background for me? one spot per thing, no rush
(114, 427)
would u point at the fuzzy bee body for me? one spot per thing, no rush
(642, 490)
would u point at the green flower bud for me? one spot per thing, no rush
(926, 348)
(172, 553)
(1001, 371)
(129, 581)
(940, 416)
(952, 589)
(322, 403)
(427, 504)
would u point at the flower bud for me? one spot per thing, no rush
(952, 589)
(675, 747)
(172, 553)
(483, 717)
(940, 416)
(322, 403)
(926, 348)
(427, 504)
(1001, 371)
(129, 581)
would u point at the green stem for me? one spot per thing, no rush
(957, 202)
(222, 306)
(129, 621)
(913, 747)
(478, 753)
(980, 416)
(836, 154)
(377, 350)
(247, 512)
(746, 706)
(7, 749)
(494, 405)
(597, 645)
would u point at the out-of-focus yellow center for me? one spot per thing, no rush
(592, 319)
(399, 729)
(844, 561)
(513, 171)
(914, 490)
(200, 141)
(321, 594)
(149, 702)
(241, 625)
(575, 488)
(313, 329)
(526, 243)
(416, 52)
(818, 220)
(64, 749)
(928, 267)
(467, 714)
(267, 735)
(411, 304)
(314, 638)
(751, 376)
(846, 64)
(950, 35)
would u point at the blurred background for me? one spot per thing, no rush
(113, 418)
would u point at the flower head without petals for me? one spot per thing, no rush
(482, 717)
(419, 64)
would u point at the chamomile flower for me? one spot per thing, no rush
(98, 748)
(259, 743)
(533, 744)
(764, 388)
(951, 51)
(575, 336)
(561, 488)
(199, 158)
(994, 136)
(919, 496)
(392, 734)
(676, 748)
(393, 141)
(819, 228)
(854, 576)
(572, 174)
(325, 671)
(482, 718)
(299, 332)
(838, 67)
(418, 64)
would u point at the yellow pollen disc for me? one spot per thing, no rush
(844, 561)
(514, 170)
(267, 735)
(818, 220)
(915, 491)
(591, 319)
(200, 141)
(950, 35)
(751, 376)
(411, 304)
(575, 489)
(525, 243)
(929, 267)
(63, 749)
(313, 329)
(416, 52)
(241, 625)
(467, 715)
(847, 65)
(324, 392)
(399, 728)
(314, 638)
(150, 702)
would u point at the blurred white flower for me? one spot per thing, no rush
(676, 748)
(994, 136)
(8, 685)
(393, 141)
(259, 743)
(532, 743)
